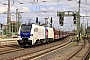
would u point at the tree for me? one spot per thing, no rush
(12, 26)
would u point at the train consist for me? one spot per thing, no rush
(30, 34)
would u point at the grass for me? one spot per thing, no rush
(73, 44)
(75, 37)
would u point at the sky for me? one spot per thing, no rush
(45, 9)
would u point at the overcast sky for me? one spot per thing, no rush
(44, 8)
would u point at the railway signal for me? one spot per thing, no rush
(36, 19)
(67, 13)
(1, 26)
(51, 22)
(61, 19)
(74, 18)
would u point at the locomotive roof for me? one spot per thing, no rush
(27, 24)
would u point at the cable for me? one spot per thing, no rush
(84, 10)
(76, 0)
(85, 7)
(86, 1)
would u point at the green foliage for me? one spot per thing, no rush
(13, 26)
(74, 30)
(88, 30)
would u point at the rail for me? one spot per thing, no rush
(8, 41)
(37, 54)
(86, 46)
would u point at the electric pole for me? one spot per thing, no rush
(78, 22)
(8, 19)
(18, 23)
(16, 20)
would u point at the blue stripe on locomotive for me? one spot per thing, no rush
(25, 34)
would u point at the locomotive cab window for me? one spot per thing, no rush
(36, 30)
(26, 28)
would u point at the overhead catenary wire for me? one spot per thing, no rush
(86, 1)
(84, 10)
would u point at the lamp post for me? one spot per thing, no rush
(18, 17)
(12, 28)
(16, 20)
(12, 25)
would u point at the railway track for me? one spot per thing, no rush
(9, 48)
(77, 52)
(15, 52)
(81, 53)
(36, 54)
(18, 52)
